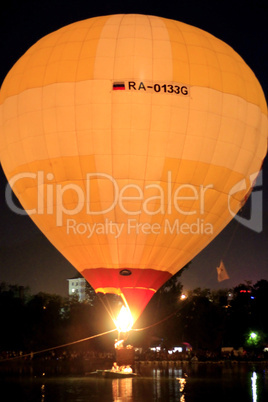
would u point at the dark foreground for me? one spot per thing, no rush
(156, 381)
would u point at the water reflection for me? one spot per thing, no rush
(122, 390)
(43, 390)
(254, 386)
(157, 383)
(184, 383)
(168, 382)
(43, 393)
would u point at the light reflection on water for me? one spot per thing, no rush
(189, 383)
(122, 389)
(43, 387)
(182, 382)
(254, 386)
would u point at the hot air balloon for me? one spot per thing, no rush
(131, 141)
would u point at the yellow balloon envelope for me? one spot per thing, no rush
(131, 141)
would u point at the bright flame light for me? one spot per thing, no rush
(124, 320)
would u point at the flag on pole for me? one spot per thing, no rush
(119, 86)
(222, 273)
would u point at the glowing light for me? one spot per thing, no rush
(175, 349)
(124, 320)
(253, 339)
(127, 370)
(155, 349)
(121, 369)
(86, 174)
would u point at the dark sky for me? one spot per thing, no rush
(26, 257)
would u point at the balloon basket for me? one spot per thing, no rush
(125, 356)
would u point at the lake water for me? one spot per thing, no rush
(186, 383)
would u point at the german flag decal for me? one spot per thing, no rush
(119, 86)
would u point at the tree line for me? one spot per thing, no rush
(210, 320)
(206, 319)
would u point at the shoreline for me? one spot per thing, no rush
(40, 367)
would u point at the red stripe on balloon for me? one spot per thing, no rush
(108, 277)
(138, 287)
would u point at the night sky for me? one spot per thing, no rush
(26, 257)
